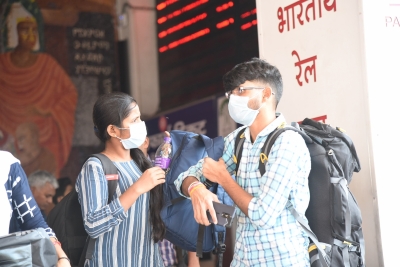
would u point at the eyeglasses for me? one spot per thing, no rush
(239, 90)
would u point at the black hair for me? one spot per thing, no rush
(63, 182)
(254, 70)
(112, 109)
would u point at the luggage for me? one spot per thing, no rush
(27, 248)
(334, 218)
(66, 219)
(181, 228)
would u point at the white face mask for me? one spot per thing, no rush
(138, 135)
(240, 112)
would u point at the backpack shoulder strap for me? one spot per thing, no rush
(268, 146)
(238, 149)
(214, 148)
(111, 173)
(266, 149)
(303, 223)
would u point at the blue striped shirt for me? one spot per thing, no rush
(269, 235)
(123, 238)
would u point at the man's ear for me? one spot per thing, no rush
(267, 92)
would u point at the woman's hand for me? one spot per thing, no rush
(149, 179)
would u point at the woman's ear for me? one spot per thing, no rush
(111, 130)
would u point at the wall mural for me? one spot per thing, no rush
(45, 110)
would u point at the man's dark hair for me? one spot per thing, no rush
(254, 70)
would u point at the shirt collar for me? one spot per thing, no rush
(269, 128)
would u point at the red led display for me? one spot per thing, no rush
(164, 4)
(225, 23)
(198, 41)
(182, 10)
(185, 39)
(182, 25)
(248, 13)
(224, 6)
(248, 25)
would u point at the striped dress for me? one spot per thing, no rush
(123, 238)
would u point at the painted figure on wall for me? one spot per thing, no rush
(38, 99)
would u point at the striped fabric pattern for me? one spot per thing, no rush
(123, 238)
(168, 253)
(269, 235)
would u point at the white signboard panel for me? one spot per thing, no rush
(382, 47)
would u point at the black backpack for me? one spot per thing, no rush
(66, 219)
(334, 218)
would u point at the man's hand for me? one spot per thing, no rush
(214, 170)
(202, 201)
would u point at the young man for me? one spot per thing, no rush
(267, 233)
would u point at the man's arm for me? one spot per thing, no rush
(202, 198)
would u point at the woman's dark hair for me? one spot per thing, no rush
(112, 109)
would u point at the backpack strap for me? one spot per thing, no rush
(214, 148)
(322, 254)
(238, 149)
(111, 173)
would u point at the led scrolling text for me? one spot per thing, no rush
(197, 18)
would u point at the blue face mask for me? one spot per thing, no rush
(138, 135)
(240, 112)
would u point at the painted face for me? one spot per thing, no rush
(27, 34)
(27, 139)
(44, 195)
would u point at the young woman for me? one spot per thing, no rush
(126, 230)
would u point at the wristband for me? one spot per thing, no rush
(192, 185)
(195, 188)
(66, 258)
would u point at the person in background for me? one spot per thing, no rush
(43, 186)
(168, 250)
(18, 205)
(128, 228)
(64, 187)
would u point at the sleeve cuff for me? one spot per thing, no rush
(252, 211)
(117, 211)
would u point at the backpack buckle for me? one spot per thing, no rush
(220, 248)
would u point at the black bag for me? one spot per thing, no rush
(27, 248)
(66, 219)
(334, 218)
